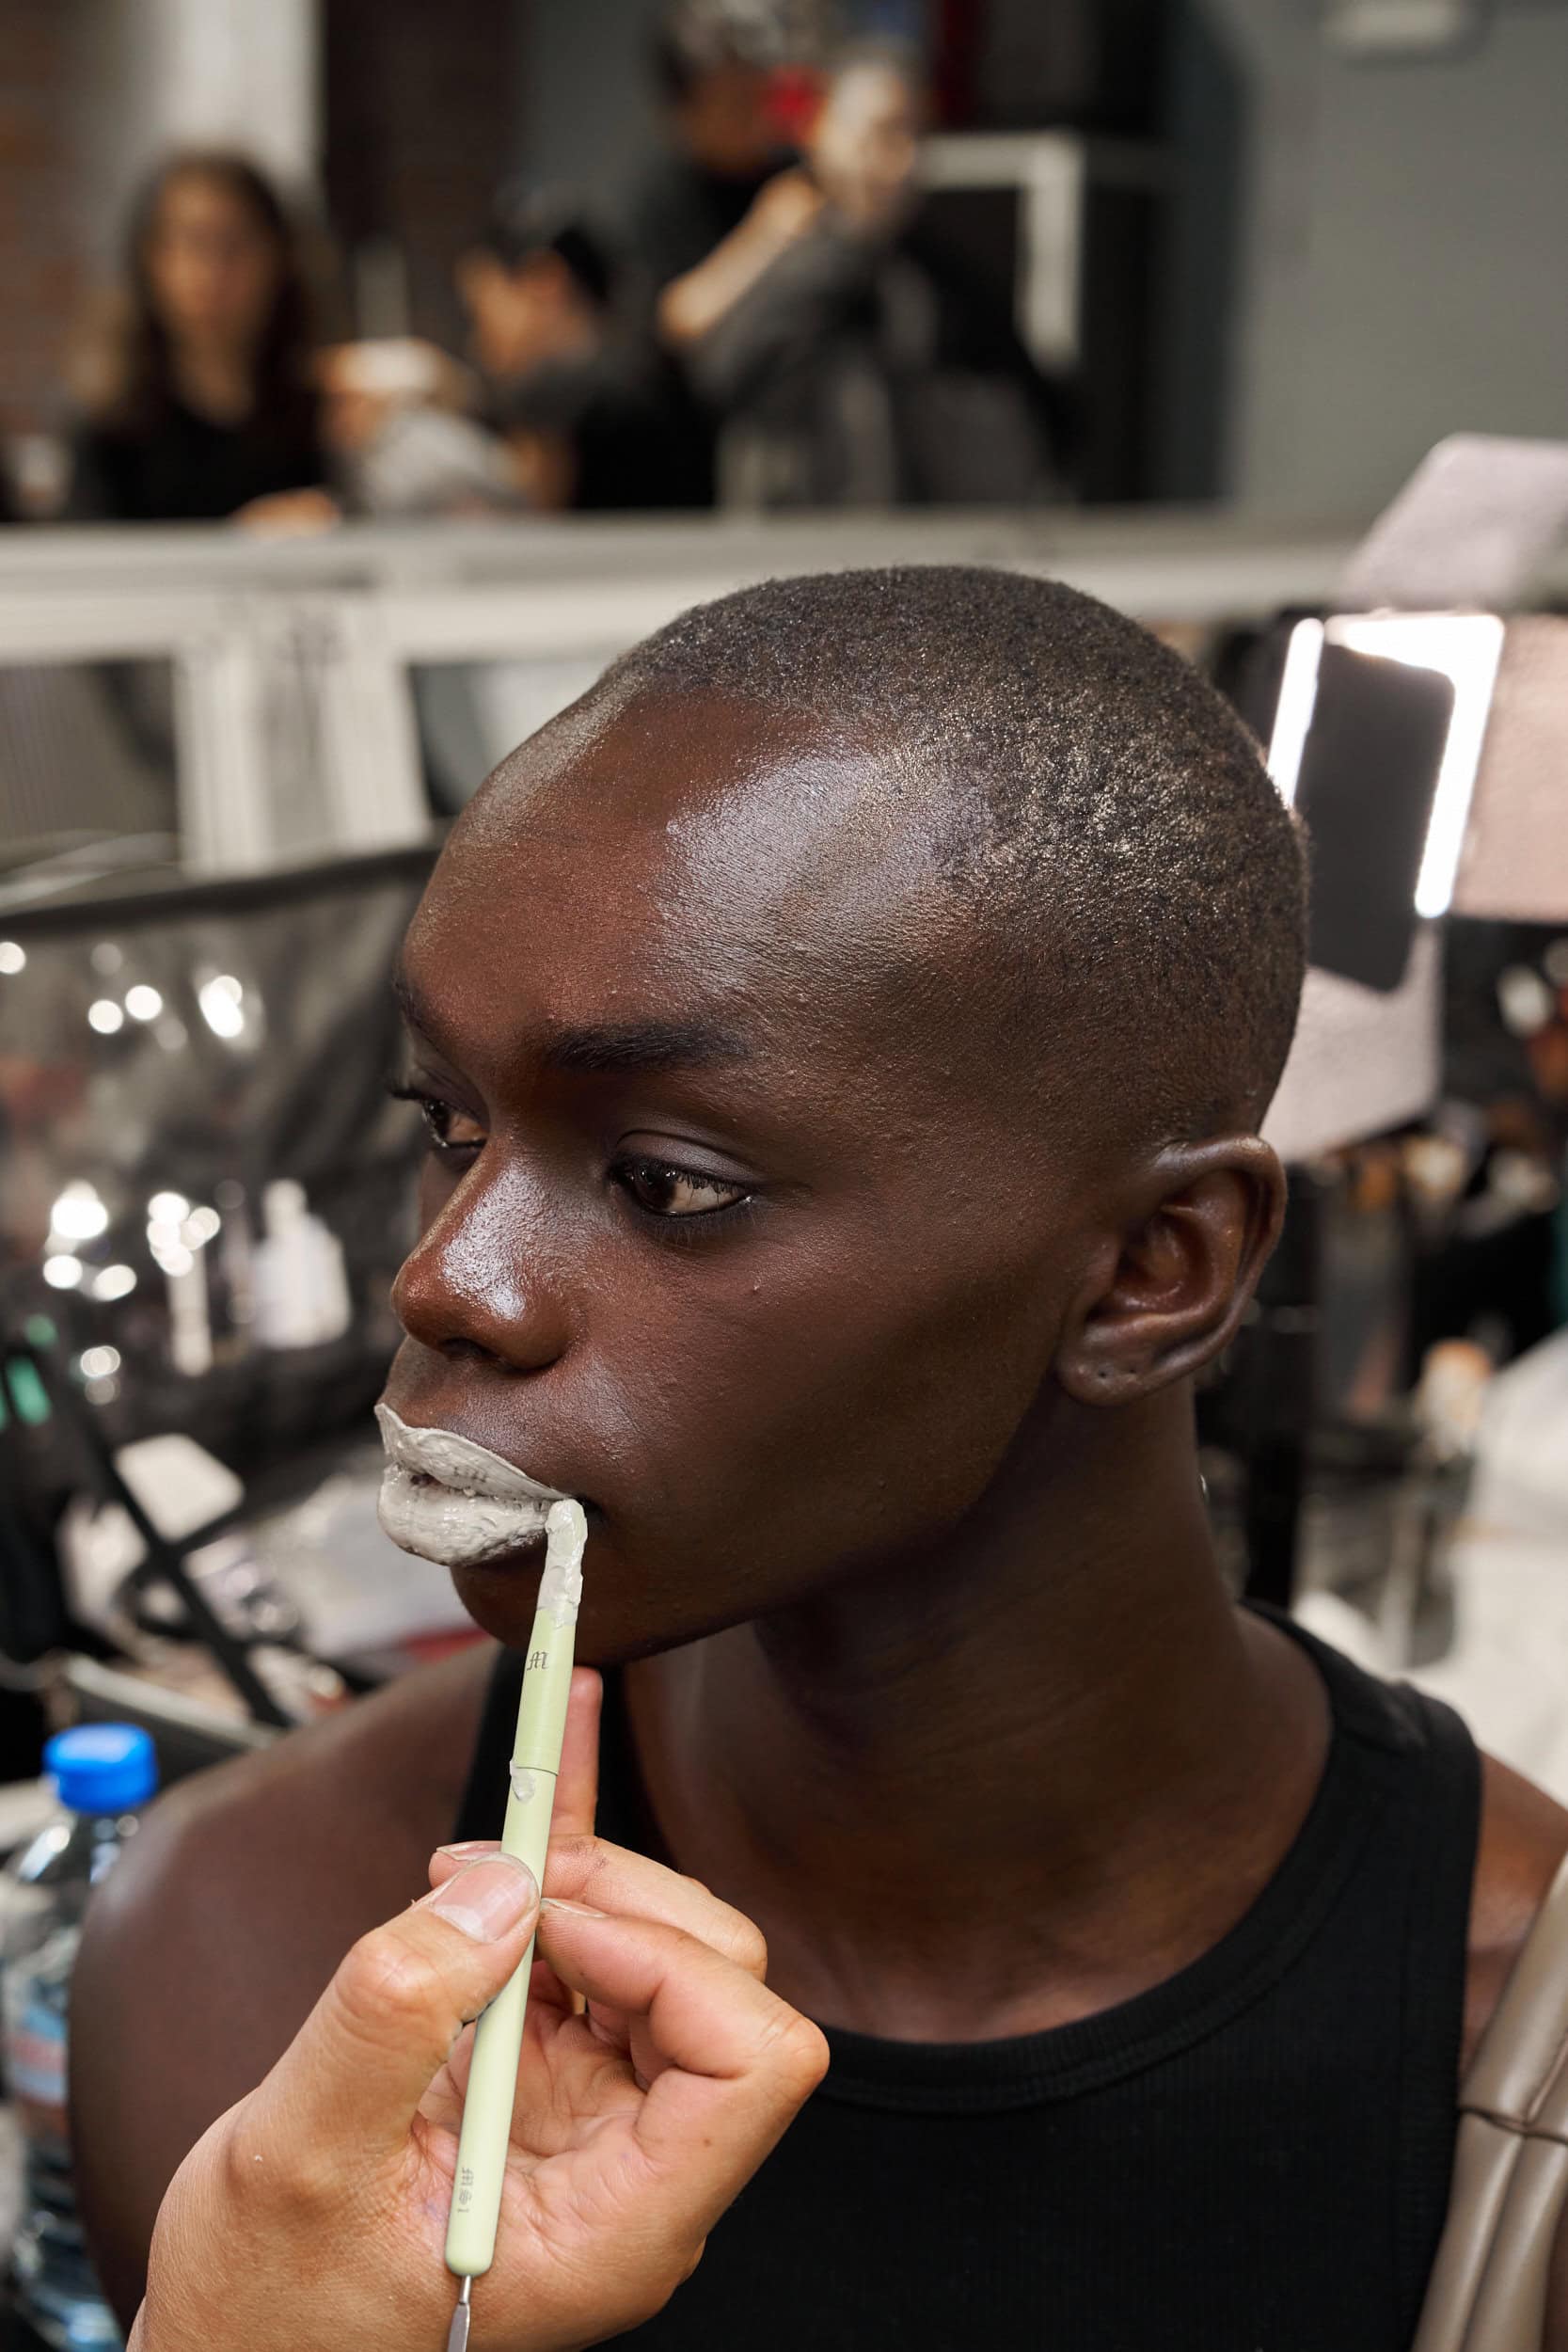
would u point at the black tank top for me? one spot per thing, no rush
(1254, 2157)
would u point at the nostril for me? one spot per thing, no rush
(464, 1351)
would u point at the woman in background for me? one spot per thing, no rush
(200, 403)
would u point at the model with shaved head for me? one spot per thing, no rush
(843, 1037)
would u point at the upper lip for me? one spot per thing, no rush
(419, 1447)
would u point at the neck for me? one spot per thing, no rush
(213, 375)
(1058, 1749)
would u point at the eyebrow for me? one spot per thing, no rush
(640, 1045)
(612, 1048)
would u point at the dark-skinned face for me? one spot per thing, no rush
(722, 1229)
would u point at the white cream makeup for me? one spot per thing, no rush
(453, 1501)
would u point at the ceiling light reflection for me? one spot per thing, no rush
(221, 1003)
(78, 1215)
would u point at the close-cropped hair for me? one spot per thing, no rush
(1104, 812)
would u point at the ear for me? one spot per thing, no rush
(1165, 1295)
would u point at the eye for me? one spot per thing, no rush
(663, 1190)
(451, 1131)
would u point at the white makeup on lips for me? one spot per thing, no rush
(452, 1502)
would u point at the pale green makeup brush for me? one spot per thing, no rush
(498, 2037)
(448, 1498)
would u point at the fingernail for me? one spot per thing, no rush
(578, 1910)
(487, 1900)
(471, 1845)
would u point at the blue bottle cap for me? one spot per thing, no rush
(101, 1768)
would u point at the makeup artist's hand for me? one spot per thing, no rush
(657, 2074)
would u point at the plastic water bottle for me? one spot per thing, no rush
(101, 1773)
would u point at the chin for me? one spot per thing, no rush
(500, 1595)
(617, 1623)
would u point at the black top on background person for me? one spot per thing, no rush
(595, 416)
(724, 144)
(197, 382)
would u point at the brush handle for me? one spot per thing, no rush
(499, 2038)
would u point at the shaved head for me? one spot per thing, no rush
(1133, 889)
(837, 1034)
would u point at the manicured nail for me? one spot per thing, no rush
(578, 1910)
(488, 1898)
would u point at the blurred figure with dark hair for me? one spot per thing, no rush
(853, 360)
(593, 416)
(198, 386)
(714, 67)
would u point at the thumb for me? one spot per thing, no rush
(368, 2050)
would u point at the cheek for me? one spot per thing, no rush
(757, 1422)
(796, 1428)
(252, 290)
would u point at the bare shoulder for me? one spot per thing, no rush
(208, 1946)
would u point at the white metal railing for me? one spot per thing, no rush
(217, 649)
(1213, 564)
(295, 662)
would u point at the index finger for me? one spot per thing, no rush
(741, 2062)
(577, 1787)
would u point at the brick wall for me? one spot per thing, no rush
(43, 263)
(421, 109)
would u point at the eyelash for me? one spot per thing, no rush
(433, 1110)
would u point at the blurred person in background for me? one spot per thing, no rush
(725, 141)
(398, 414)
(851, 360)
(199, 394)
(592, 413)
(573, 406)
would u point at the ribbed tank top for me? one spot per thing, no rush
(1253, 2156)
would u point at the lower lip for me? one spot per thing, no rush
(454, 1530)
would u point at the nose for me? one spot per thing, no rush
(478, 1279)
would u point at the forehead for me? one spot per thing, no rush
(687, 852)
(197, 200)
